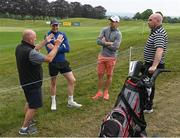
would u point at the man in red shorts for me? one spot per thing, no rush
(109, 40)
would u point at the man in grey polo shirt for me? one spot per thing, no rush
(29, 62)
(154, 51)
(109, 40)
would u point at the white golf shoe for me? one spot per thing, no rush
(73, 104)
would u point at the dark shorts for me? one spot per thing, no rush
(62, 67)
(34, 97)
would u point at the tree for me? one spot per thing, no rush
(59, 8)
(99, 12)
(145, 15)
(137, 16)
(42, 8)
(88, 11)
(21, 7)
(4, 6)
(76, 9)
(160, 13)
(8, 6)
(37, 7)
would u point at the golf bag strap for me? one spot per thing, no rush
(130, 127)
(136, 119)
(119, 96)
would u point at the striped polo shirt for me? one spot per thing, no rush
(157, 39)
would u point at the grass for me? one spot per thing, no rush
(86, 121)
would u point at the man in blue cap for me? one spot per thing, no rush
(60, 64)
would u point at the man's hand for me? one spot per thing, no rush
(157, 59)
(106, 42)
(42, 43)
(49, 37)
(103, 39)
(152, 69)
(59, 40)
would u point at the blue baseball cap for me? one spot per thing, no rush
(54, 21)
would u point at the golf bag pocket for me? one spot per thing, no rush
(112, 124)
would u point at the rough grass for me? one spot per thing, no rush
(85, 122)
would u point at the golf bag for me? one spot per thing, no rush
(126, 118)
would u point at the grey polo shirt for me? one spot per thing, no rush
(110, 35)
(36, 57)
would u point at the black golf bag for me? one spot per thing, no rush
(126, 118)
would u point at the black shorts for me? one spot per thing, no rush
(34, 97)
(62, 67)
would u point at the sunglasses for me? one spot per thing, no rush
(54, 25)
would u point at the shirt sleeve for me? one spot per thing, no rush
(116, 42)
(99, 39)
(64, 47)
(35, 57)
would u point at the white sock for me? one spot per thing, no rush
(24, 128)
(70, 98)
(53, 97)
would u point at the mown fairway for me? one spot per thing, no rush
(165, 121)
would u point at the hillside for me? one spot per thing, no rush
(85, 122)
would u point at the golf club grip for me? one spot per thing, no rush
(157, 72)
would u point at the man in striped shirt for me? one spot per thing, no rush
(154, 51)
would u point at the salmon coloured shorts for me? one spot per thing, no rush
(106, 64)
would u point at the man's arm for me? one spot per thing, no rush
(50, 45)
(157, 59)
(106, 43)
(159, 44)
(102, 41)
(37, 58)
(46, 40)
(101, 37)
(52, 54)
(113, 45)
(64, 47)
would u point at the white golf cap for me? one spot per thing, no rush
(114, 18)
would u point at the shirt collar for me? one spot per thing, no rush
(113, 29)
(54, 32)
(26, 43)
(154, 29)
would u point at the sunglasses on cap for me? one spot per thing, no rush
(54, 25)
